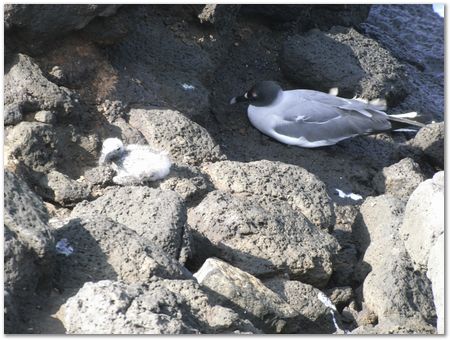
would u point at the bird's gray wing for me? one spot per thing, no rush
(321, 120)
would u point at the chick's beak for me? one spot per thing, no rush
(239, 99)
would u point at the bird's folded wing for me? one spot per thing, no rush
(317, 121)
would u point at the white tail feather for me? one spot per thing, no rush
(334, 91)
(405, 115)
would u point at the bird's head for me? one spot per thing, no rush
(112, 148)
(263, 93)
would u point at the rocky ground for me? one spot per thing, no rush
(245, 235)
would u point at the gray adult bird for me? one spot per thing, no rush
(312, 119)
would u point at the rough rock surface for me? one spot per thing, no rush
(306, 301)
(28, 250)
(27, 88)
(157, 215)
(392, 289)
(259, 241)
(185, 140)
(429, 142)
(436, 274)
(400, 179)
(33, 144)
(424, 219)
(344, 262)
(311, 16)
(414, 35)
(338, 58)
(160, 307)
(59, 188)
(187, 181)
(244, 291)
(101, 175)
(40, 23)
(107, 250)
(274, 179)
(164, 75)
(26, 216)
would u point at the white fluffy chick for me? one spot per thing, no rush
(134, 164)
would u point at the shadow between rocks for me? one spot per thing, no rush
(87, 263)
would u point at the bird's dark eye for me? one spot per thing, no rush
(118, 148)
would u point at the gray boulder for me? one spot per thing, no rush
(107, 250)
(392, 290)
(63, 190)
(429, 144)
(186, 141)
(436, 275)
(33, 144)
(400, 179)
(247, 294)
(261, 241)
(424, 219)
(28, 250)
(26, 216)
(160, 307)
(20, 270)
(27, 89)
(275, 179)
(157, 215)
(339, 58)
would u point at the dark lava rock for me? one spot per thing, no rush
(312, 16)
(429, 141)
(28, 252)
(414, 34)
(27, 90)
(339, 58)
(31, 25)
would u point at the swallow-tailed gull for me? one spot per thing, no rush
(312, 119)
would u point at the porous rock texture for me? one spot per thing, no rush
(260, 241)
(399, 179)
(392, 289)
(304, 191)
(157, 215)
(160, 307)
(272, 215)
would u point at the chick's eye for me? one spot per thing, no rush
(118, 148)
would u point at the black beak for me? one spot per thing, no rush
(239, 99)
